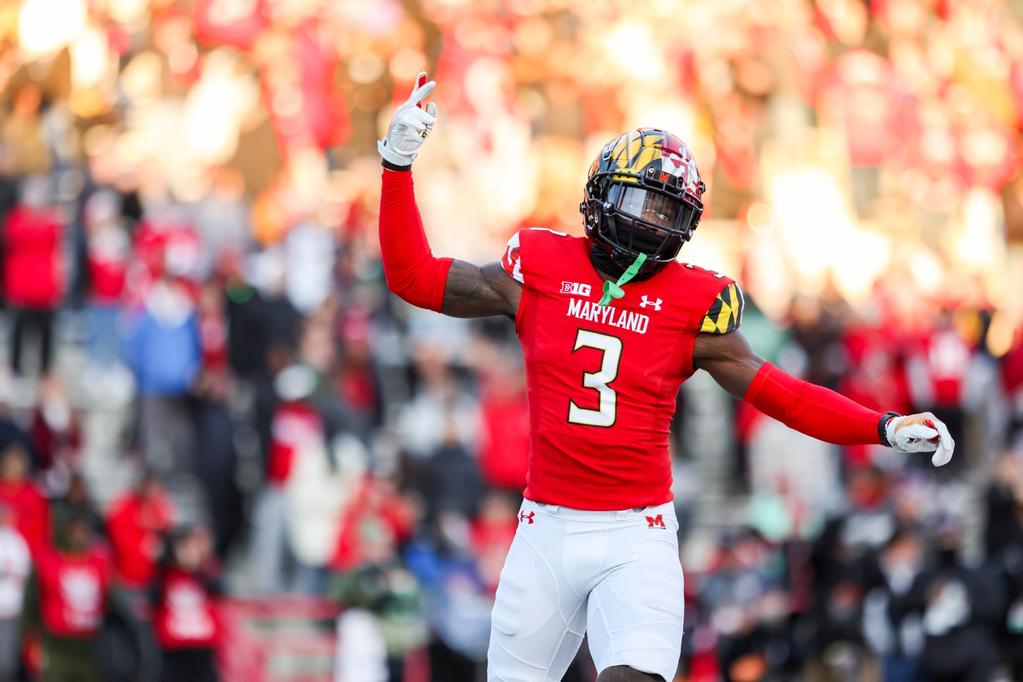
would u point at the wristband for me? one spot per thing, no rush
(395, 167)
(882, 427)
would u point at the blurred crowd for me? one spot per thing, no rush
(209, 396)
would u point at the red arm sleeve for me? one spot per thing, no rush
(411, 270)
(811, 409)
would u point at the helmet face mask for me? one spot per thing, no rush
(643, 195)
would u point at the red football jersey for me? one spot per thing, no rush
(602, 381)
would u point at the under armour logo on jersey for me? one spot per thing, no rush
(526, 518)
(656, 305)
(655, 521)
(575, 288)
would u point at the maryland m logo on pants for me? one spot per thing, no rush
(655, 521)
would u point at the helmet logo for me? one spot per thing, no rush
(653, 160)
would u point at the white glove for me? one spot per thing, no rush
(921, 433)
(410, 125)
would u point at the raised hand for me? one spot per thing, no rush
(410, 125)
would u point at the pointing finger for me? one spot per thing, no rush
(419, 82)
(421, 92)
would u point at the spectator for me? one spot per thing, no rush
(491, 534)
(23, 498)
(33, 281)
(76, 502)
(322, 481)
(216, 458)
(504, 426)
(108, 250)
(184, 601)
(842, 571)
(56, 434)
(296, 426)
(382, 622)
(368, 577)
(67, 598)
(11, 433)
(1004, 529)
(14, 570)
(375, 521)
(136, 524)
(165, 353)
(440, 412)
(261, 321)
(456, 600)
(890, 624)
(356, 379)
(221, 220)
(957, 606)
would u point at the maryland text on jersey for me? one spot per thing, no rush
(609, 315)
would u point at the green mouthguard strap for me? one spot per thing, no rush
(614, 289)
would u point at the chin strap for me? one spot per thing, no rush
(614, 289)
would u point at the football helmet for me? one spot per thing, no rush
(643, 195)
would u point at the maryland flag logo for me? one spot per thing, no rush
(648, 151)
(725, 314)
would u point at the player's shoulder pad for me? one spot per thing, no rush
(725, 313)
(511, 261)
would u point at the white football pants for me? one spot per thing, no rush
(613, 575)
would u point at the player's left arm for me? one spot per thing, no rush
(811, 409)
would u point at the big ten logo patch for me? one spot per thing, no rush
(575, 288)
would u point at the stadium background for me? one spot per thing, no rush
(189, 189)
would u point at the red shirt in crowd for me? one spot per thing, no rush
(185, 615)
(72, 590)
(31, 512)
(32, 256)
(294, 424)
(136, 524)
(161, 247)
(876, 375)
(108, 253)
(504, 437)
(54, 439)
(945, 356)
(374, 523)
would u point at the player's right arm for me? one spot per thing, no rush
(412, 272)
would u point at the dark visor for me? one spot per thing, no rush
(654, 208)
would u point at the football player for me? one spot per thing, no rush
(610, 324)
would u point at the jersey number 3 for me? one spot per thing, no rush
(607, 408)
